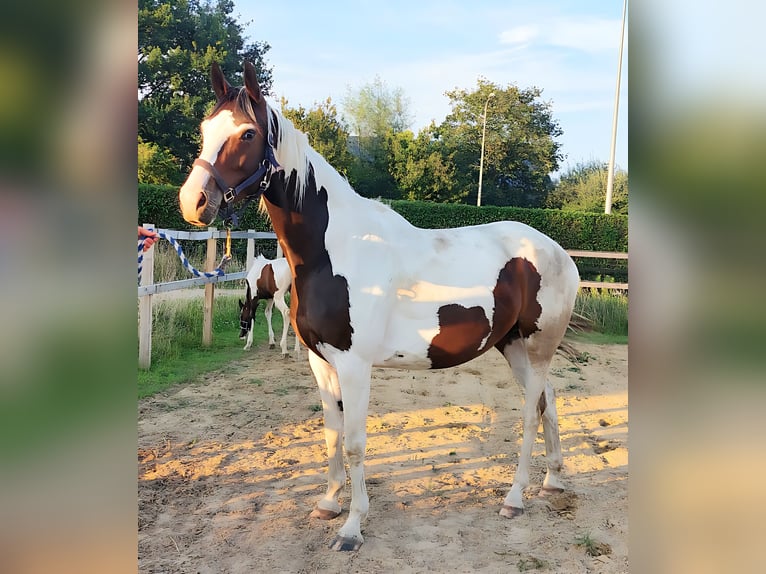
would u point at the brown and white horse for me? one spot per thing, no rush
(270, 280)
(371, 290)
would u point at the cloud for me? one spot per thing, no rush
(589, 35)
(519, 35)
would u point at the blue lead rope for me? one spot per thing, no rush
(218, 272)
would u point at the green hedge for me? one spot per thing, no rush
(158, 204)
(573, 230)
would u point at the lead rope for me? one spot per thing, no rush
(218, 272)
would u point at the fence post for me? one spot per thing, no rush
(145, 309)
(207, 310)
(250, 251)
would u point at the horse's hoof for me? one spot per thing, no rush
(511, 511)
(548, 490)
(285, 356)
(346, 544)
(323, 514)
(271, 345)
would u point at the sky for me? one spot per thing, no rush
(569, 49)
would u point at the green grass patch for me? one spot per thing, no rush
(606, 311)
(178, 355)
(598, 338)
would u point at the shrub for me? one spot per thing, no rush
(158, 204)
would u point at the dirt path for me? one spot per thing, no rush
(230, 467)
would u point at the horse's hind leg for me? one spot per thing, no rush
(329, 391)
(530, 370)
(554, 458)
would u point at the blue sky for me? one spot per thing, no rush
(568, 48)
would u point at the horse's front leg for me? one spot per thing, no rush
(354, 378)
(329, 391)
(249, 341)
(267, 313)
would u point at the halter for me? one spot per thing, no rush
(231, 195)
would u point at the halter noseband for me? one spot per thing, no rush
(231, 195)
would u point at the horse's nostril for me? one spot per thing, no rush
(202, 200)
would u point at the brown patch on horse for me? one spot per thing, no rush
(319, 304)
(518, 284)
(461, 332)
(516, 311)
(265, 285)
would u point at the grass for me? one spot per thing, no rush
(605, 311)
(178, 355)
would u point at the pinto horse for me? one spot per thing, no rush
(271, 279)
(371, 290)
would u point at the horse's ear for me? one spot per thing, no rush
(241, 304)
(251, 82)
(220, 85)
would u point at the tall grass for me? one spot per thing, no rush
(606, 311)
(168, 266)
(177, 325)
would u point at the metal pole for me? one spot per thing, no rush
(481, 161)
(610, 174)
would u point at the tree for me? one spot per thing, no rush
(421, 169)
(156, 165)
(374, 109)
(325, 129)
(373, 112)
(178, 40)
(520, 148)
(583, 188)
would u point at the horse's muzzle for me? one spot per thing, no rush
(199, 198)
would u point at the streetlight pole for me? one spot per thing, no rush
(610, 173)
(481, 161)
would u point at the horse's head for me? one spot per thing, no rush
(246, 314)
(235, 159)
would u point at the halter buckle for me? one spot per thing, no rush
(229, 195)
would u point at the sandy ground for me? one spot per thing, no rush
(230, 466)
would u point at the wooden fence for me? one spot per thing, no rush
(147, 287)
(600, 255)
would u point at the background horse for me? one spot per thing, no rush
(271, 279)
(370, 289)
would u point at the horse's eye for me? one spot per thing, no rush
(248, 135)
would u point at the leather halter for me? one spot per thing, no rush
(232, 194)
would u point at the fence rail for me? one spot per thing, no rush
(600, 255)
(147, 287)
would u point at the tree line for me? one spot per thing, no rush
(370, 142)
